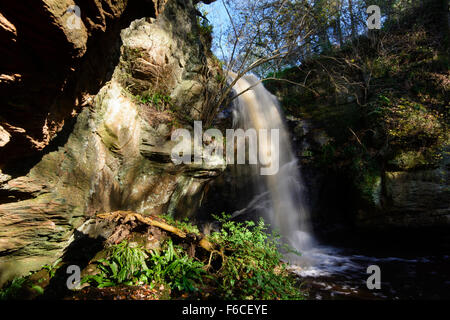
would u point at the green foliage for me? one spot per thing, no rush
(13, 290)
(160, 101)
(132, 266)
(31, 285)
(38, 289)
(368, 183)
(206, 29)
(52, 268)
(399, 122)
(22, 288)
(174, 267)
(252, 267)
(411, 159)
(184, 225)
(125, 265)
(411, 123)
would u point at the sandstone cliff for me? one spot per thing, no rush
(127, 83)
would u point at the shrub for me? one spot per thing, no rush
(125, 264)
(252, 267)
(184, 225)
(175, 268)
(132, 265)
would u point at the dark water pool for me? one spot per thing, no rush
(336, 273)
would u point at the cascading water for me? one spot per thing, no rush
(327, 271)
(278, 198)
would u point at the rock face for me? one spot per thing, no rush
(409, 198)
(117, 155)
(49, 68)
(415, 199)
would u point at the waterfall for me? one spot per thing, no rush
(278, 198)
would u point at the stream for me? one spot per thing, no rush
(340, 273)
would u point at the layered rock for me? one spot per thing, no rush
(49, 68)
(412, 196)
(417, 198)
(117, 156)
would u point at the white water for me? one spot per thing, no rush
(277, 198)
(329, 271)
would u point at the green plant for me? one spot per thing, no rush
(247, 265)
(175, 268)
(131, 266)
(205, 27)
(13, 289)
(183, 225)
(125, 264)
(158, 100)
(52, 268)
(25, 287)
(252, 266)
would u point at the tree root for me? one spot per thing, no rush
(211, 255)
(127, 216)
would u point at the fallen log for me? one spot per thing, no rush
(127, 216)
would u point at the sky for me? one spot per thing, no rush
(218, 17)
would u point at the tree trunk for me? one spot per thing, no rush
(337, 22)
(446, 23)
(338, 30)
(352, 18)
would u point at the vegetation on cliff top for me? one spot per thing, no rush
(383, 99)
